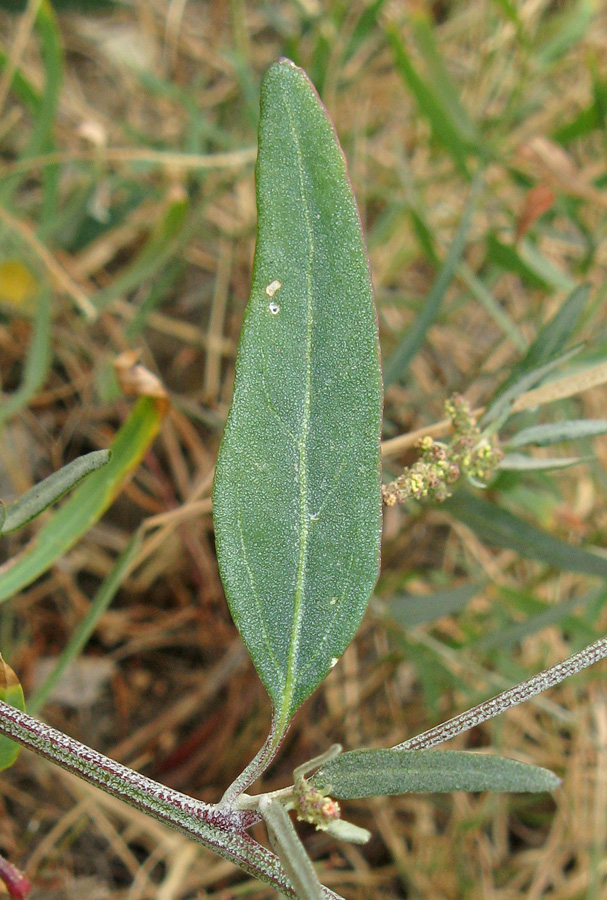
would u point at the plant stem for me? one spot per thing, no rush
(221, 830)
(506, 700)
(257, 766)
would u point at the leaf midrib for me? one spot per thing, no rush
(302, 445)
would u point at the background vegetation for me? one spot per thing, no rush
(476, 138)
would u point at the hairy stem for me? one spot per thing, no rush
(506, 700)
(221, 830)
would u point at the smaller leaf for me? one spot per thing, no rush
(557, 432)
(520, 462)
(551, 338)
(374, 773)
(51, 489)
(500, 408)
(498, 526)
(290, 850)
(410, 610)
(398, 361)
(11, 692)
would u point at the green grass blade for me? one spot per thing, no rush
(11, 692)
(504, 638)
(502, 528)
(375, 773)
(445, 128)
(52, 58)
(491, 306)
(398, 361)
(159, 247)
(37, 362)
(552, 338)
(499, 408)
(80, 636)
(441, 81)
(296, 498)
(88, 502)
(43, 495)
(508, 257)
(21, 86)
(410, 610)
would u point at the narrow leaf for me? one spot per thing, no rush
(557, 432)
(408, 346)
(445, 127)
(520, 462)
(43, 495)
(88, 502)
(552, 338)
(417, 609)
(502, 528)
(11, 692)
(296, 497)
(500, 408)
(374, 773)
(290, 851)
(82, 633)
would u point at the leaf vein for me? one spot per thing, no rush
(303, 441)
(257, 599)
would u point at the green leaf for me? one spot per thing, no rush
(296, 498)
(499, 408)
(410, 610)
(396, 365)
(42, 495)
(159, 247)
(552, 337)
(82, 633)
(520, 462)
(40, 136)
(291, 852)
(557, 432)
(11, 692)
(508, 258)
(446, 128)
(374, 773)
(501, 528)
(88, 502)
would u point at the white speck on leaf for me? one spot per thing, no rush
(334, 662)
(273, 287)
(274, 308)
(333, 601)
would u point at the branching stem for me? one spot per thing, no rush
(221, 830)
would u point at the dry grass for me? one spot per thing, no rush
(157, 108)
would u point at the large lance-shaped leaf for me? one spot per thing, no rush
(373, 773)
(296, 497)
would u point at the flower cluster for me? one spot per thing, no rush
(312, 806)
(470, 453)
